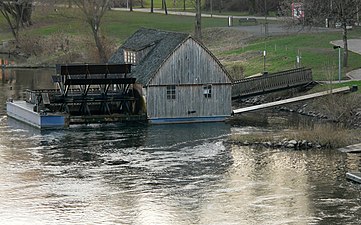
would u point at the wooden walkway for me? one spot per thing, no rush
(291, 100)
(354, 176)
(271, 82)
(351, 149)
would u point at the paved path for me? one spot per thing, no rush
(354, 45)
(170, 12)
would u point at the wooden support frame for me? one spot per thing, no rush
(79, 83)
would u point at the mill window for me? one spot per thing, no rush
(130, 57)
(207, 91)
(171, 92)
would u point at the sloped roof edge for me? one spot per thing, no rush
(176, 48)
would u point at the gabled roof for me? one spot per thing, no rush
(163, 43)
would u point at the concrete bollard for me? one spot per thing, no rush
(230, 21)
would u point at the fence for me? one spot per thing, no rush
(271, 82)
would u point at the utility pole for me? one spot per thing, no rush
(265, 18)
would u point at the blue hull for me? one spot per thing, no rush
(188, 120)
(23, 111)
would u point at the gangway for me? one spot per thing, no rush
(295, 99)
(271, 82)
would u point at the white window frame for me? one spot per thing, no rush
(207, 91)
(130, 57)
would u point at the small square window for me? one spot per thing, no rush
(207, 91)
(171, 92)
(130, 57)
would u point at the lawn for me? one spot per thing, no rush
(315, 51)
(121, 24)
(336, 84)
(116, 24)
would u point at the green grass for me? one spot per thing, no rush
(170, 4)
(315, 50)
(121, 24)
(116, 24)
(336, 84)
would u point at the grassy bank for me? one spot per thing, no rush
(241, 51)
(315, 51)
(51, 28)
(336, 84)
(115, 24)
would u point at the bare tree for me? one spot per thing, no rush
(345, 11)
(17, 14)
(198, 22)
(315, 13)
(94, 11)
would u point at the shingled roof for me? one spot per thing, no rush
(163, 43)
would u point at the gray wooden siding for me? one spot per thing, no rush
(189, 98)
(190, 64)
(189, 68)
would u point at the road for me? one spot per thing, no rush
(180, 13)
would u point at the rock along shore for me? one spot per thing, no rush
(283, 144)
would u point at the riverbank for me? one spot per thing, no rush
(328, 122)
(319, 137)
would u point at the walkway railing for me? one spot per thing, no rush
(271, 82)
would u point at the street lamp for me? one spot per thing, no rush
(339, 61)
(264, 62)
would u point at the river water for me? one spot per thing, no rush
(168, 174)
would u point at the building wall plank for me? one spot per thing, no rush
(189, 68)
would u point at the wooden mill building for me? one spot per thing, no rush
(178, 80)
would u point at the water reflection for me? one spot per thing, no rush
(16, 81)
(171, 174)
(84, 166)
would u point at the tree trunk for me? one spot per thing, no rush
(17, 15)
(198, 27)
(165, 7)
(151, 6)
(99, 45)
(345, 45)
(13, 29)
(130, 5)
(252, 6)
